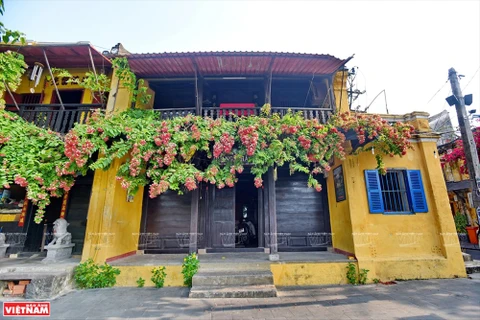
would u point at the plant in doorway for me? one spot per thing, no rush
(189, 268)
(158, 276)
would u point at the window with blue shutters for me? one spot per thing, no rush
(397, 192)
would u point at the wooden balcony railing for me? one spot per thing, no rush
(174, 112)
(321, 114)
(52, 116)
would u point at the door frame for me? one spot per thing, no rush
(209, 223)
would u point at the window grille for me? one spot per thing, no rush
(394, 192)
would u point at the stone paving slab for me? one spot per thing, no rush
(407, 300)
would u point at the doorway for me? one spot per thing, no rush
(246, 213)
(68, 97)
(37, 231)
(233, 217)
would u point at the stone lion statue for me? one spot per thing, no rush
(60, 234)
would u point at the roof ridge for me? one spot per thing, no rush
(211, 53)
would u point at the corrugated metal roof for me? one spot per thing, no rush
(236, 63)
(60, 55)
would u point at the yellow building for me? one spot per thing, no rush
(397, 226)
(56, 104)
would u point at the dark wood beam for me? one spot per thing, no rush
(194, 222)
(268, 83)
(198, 88)
(260, 219)
(272, 211)
(266, 215)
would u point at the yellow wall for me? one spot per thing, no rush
(421, 245)
(120, 96)
(48, 89)
(284, 274)
(148, 105)
(112, 222)
(340, 91)
(130, 274)
(340, 222)
(452, 172)
(309, 274)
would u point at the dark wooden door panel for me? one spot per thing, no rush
(302, 213)
(223, 218)
(168, 223)
(77, 214)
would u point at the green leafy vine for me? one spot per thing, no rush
(129, 80)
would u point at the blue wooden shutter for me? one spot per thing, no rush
(374, 191)
(417, 193)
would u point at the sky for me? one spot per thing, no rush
(402, 47)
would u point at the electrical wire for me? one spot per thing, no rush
(437, 92)
(471, 79)
(365, 84)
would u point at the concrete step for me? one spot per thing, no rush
(233, 278)
(472, 266)
(43, 285)
(466, 257)
(260, 291)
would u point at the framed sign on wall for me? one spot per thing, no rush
(339, 184)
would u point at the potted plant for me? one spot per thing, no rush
(460, 224)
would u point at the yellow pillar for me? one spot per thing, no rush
(340, 91)
(113, 223)
(120, 97)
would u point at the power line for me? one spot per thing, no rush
(471, 79)
(437, 92)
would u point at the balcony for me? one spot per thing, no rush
(321, 114)
(53, 116)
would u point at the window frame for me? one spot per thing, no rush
(404, 177)
(414, 188)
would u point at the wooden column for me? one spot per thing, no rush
(194, 221)
(272, 211)
(268, 83)
(260, 219)
(268, 89)
(199, 95)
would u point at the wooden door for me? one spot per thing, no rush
(77, 214)
(303, 221)
(223, 218)
(167, 226)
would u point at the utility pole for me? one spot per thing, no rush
(470, 149)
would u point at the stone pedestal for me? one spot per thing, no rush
(58, 252)
(3, 250)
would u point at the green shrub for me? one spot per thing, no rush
(362, 276)
(352, 273)
(376, 280)
(89, 275)
(158, 276)
(140, 282)
(460, 222)
(190, 268)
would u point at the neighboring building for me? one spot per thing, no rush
(442, 124)
(38, 102)
(459, 184)
(410, 237)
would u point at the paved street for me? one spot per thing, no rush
(432, 299)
